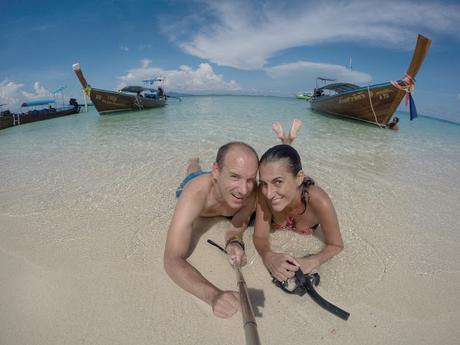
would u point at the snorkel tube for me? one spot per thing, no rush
(305, 283)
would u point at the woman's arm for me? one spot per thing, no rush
(281, 266)
(262, 226)
(324, 210)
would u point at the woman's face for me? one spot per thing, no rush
(279, 185)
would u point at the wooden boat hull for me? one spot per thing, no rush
(33, 116)
(375, 104)
(110, 101)
(107, 101)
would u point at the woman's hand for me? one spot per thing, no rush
(281, 266)
(308, 263)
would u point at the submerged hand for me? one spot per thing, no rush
(281, 266)
(225, 304)
(236, 255)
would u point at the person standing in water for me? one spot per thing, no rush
(394, 124)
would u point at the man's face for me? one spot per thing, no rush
(236, 179)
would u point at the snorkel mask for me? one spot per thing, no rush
(305, 283)
(297, 286)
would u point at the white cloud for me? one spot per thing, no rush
(124, 48)
(185, 78)
(40, 92)
(245, 34)
(314, 69)
(12, 95)
(144, 46)
(9, 92)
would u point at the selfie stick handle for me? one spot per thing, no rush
(249, 321)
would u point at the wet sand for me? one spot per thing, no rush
(82, 277)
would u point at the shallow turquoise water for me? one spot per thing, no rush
(408, 171)
(85, 203)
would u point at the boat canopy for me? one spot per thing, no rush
(325, 79)
(152, 81)
(340, 87)
(59, 89)
(136, 89)
(38, 102)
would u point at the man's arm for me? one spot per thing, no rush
(188, 208)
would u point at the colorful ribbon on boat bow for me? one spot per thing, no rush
(87, 90)
(407, 84)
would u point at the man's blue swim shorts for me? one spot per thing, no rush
(187, 179)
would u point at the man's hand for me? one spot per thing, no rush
(225, 304)
(281, 266)
(236, 255)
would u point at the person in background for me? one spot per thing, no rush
(394, 124)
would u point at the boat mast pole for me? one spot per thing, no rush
(77, 69)
(420, 52)
(85, 100)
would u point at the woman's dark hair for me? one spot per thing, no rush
(294, 164)
(285, 152)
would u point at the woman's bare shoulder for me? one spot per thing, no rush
(318, 196)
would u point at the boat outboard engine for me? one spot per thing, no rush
(73, 102)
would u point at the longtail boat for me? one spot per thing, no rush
(9, 119)
(374, 103)
(128, 98)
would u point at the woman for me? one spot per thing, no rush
(289, 200)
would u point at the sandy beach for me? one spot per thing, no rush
(81, 246)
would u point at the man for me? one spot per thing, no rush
(228, 190)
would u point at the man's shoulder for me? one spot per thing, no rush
(193, 199)
(199, 188)
(200, 183)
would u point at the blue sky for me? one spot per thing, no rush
(242, 47)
